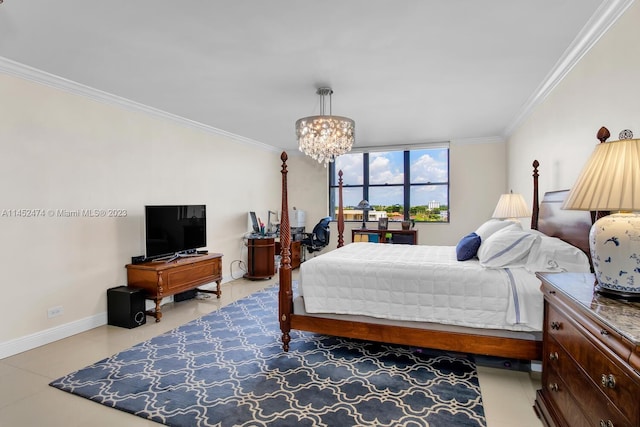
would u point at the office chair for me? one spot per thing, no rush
(319, 238)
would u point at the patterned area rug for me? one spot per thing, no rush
(228, 369)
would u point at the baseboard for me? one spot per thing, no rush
(29, 342)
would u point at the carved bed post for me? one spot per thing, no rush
(536, 207)
(285, 293)
(340, 212)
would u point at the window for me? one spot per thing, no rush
(399, 185)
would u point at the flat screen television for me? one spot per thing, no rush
(174, 230)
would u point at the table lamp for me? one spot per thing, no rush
(364, 206)
(511, 206)
(610, 181)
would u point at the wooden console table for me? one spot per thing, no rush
(161, 279)
(405, 237)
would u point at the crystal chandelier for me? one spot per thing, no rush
(323, 137)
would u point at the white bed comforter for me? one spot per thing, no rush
(420, 283)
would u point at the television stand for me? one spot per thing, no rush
(164, 279)
(176, 256)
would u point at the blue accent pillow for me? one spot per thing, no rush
(467, 247)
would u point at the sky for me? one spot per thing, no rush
(427, 165)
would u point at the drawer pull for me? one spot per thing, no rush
(607, 423)
(604, 332)
(553, 356)
(554, 387)
(555, 325)
(608, 381)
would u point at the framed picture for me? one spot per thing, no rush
(383, 223)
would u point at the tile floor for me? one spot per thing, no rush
(26, 400)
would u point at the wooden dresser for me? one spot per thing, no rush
(591, 358)
(160, 279)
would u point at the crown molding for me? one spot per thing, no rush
(22, 71)
(604, 17)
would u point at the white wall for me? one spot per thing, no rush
(603, 89)
(65, 151)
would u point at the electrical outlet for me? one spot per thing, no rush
(55, 311)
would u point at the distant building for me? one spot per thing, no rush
(356, 215)
(434, 205)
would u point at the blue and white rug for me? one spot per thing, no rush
(228, 369)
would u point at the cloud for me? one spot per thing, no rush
(388, 168)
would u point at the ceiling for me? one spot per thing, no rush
(407, 71)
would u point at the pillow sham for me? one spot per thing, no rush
(467, 247)
(493, 225)
(550, 254)
(508, 247)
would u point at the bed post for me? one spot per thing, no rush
(535, 208)
(285, 294)
(340, 212)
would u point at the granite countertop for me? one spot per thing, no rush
(620, 315)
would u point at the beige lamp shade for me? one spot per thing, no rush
(610, 181)
(511, 206)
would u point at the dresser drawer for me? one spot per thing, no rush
(605, 372)
(561, 397)
(602, 334)
(594, 404)
(191, 276)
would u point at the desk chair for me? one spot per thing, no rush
(318, 239)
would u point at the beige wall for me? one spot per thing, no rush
(65, 151)
(62, 151)
(477, 177)
(602, 90)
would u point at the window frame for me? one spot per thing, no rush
(406, 185)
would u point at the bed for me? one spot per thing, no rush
(423, 296)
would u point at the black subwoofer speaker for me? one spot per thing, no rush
(125, 307)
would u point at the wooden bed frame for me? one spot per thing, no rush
(570, 226)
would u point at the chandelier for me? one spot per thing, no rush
(323, 137)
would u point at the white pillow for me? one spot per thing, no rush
(493, 225)
(508, 247)
(550, 254)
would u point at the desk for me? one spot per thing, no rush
(296, 253)
(403, 237)
(261, 262)
(260, 258)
